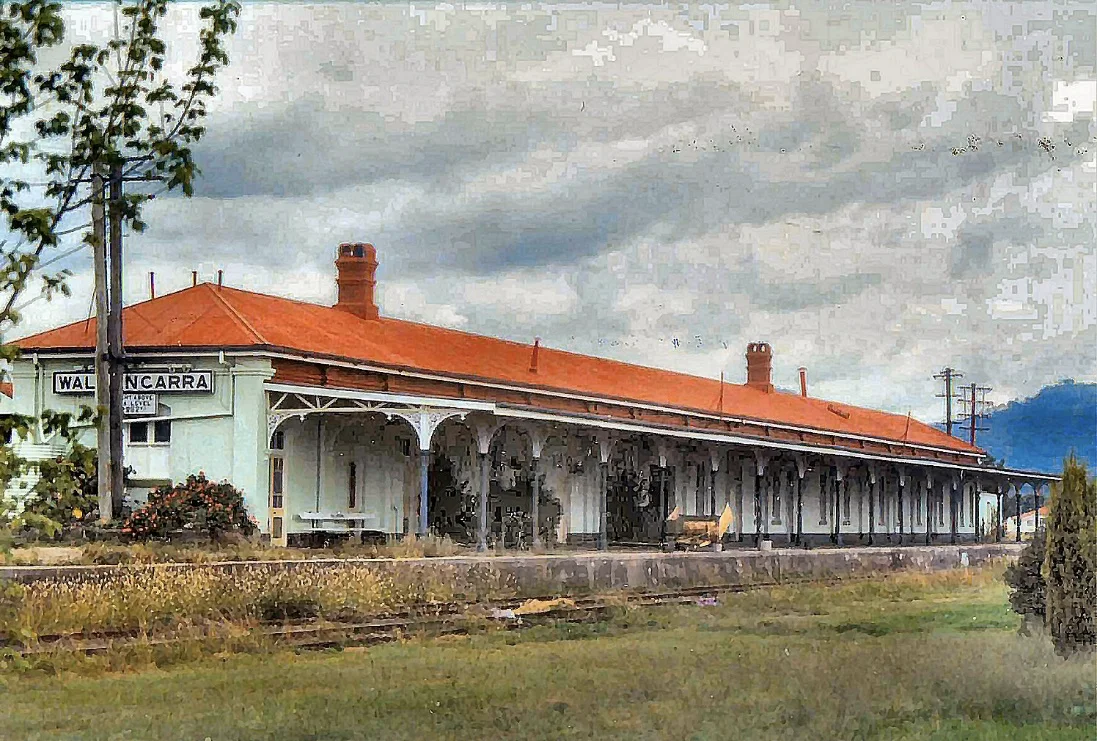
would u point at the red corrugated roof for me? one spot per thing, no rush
(210, 316)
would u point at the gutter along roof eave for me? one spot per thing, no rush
(621, 401)
(289, 353)
(311, 389)
(750, 441)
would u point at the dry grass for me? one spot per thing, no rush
(161, 599)
(153, 552)
(911, 657)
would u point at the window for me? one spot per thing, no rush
(699, 489)
(139, 432)
(882, 507)
(916, 508)
(352, 487)
(845, 502)
(822, 499)
(278, 440)
(277, 481)
(775, 505)
(793, 501)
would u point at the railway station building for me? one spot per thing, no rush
(339, 420)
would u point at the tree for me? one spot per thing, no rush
(92, 110)
(105, 106)
(1070, 560)
(1028, 596)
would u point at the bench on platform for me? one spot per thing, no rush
(350, 522)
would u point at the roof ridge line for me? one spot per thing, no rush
(237, 315)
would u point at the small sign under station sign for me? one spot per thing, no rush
(139, 405)
(138, 382)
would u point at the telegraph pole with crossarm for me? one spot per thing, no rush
(974, 398)
(110, 357)
(948, 375)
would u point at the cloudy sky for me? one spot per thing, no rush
(879, 190)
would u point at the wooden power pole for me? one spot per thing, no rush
(948, 375)
(102, 373)
(115, 352)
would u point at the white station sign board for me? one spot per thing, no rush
(138, 382)
(139, 405)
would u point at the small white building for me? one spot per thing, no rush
(329, 418)
(1029, 523)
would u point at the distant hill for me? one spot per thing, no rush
(1038, 432)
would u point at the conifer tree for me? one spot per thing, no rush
(1070, 560)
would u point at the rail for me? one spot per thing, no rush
(426, 619)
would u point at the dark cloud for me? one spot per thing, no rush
(301, 150)
(800, 295)
(695, 193)
(974, 250)
(304, 148)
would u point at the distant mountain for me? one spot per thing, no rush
(1038, 432)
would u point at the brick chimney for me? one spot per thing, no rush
(760, 366)
(355, 267)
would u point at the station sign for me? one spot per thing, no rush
(138, 382)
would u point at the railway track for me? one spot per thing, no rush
(425, 620)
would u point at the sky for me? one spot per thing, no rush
(878, 190)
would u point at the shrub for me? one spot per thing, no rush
(197, 504)
(1070, 561)
(1026, 579)
(67, 490)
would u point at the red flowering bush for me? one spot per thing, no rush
(198, 505)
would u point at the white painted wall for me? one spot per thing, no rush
(387, 479)
(225, 435)
(222, 434)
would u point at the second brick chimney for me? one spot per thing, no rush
(356, 267)
(760, 366)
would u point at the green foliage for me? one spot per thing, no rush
(1070, 561)
(92, 111)
(1026, 580)
(86, 115)
(41, 524)
(67, 490)
(197, 504)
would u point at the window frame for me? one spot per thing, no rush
(775, 500)
(157, 426)
(276, 486)
(131, 426)
(150, 436)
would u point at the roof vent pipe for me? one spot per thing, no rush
(220, 277)
(803, 381)
(760, 366)
(533, 357)
(152, 284)
(194, 277)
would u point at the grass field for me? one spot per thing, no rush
(908, 657)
